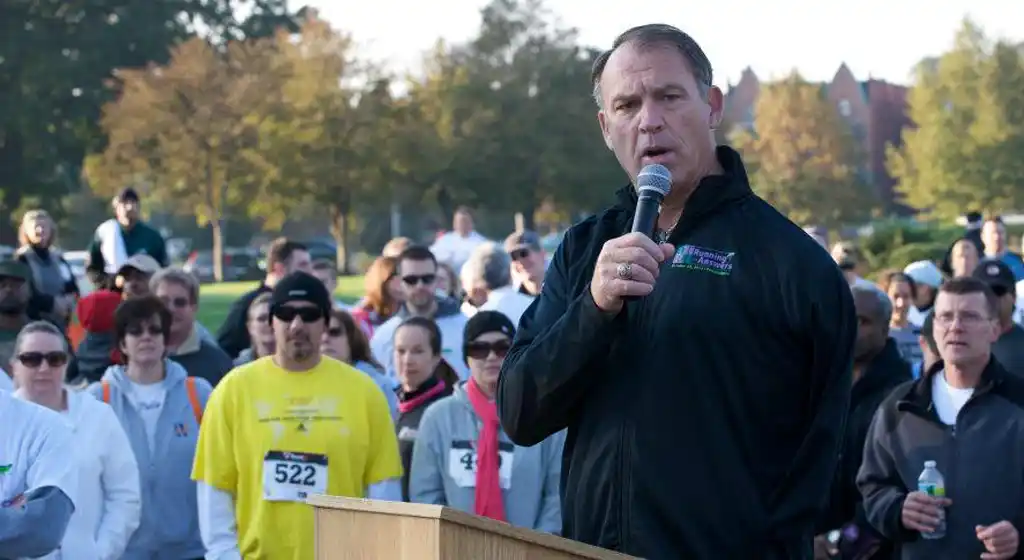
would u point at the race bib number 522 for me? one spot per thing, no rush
(292, 477)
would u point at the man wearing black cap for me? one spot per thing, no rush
(14, 296)
(287, 426)
(121, 237)
(1009, 349)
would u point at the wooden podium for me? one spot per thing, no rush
(353, 529)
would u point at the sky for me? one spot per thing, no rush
(881, 39)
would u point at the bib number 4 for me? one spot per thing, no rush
(292, 477)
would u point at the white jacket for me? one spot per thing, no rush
(107, 501)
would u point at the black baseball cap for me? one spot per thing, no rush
(128, 194)
(997, 275)
(302, 286)
(525, 239)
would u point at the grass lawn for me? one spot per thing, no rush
(216, 299)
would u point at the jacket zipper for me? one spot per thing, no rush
(626, 488)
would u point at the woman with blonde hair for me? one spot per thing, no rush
(383, 295)
(53, 286)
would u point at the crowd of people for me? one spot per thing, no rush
(151, 437)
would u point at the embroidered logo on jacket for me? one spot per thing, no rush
(692, 257)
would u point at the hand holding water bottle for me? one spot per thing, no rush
(922, 512)
(1001, 540)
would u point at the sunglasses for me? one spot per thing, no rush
(177, 302)
(138, 330)
(413, 279)
(336, 332)
(307, 314)
(519, 254)
(36, 359)
(480, 350)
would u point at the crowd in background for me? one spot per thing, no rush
(185, 443)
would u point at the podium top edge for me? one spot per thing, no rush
(450, 515)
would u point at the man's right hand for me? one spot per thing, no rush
(635, 254)
(922, 512)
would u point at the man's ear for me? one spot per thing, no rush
(602, 120)
(716, 102)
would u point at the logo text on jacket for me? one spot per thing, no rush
(692, 257)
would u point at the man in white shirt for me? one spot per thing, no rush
(976, 447)
(455, 246)
(36, 478)
(490, 268)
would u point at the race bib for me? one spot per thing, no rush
(462, 463)
(292, 477)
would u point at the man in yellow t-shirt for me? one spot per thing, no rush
(285, 427)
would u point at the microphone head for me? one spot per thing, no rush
(654, 179)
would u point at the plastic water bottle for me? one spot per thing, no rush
(931, 482)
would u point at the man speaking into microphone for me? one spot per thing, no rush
(703, 376)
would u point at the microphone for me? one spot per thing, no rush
(653, 184)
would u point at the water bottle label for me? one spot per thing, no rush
(932, 489)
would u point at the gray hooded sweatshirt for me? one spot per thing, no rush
(444, 463)
(169, 528)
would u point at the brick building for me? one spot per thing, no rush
(875, 110)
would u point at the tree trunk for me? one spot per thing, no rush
(218, 249)
(339, 231)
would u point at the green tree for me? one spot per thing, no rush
(802, 157)
(964, 151)
(56, 59)
(329, 139)
(187, 132)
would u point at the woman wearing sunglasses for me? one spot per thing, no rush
(462, 458)
(346, 342)
(107, 501)
(160, 408)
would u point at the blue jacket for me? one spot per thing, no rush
(169, 528)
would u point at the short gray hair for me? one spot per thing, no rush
(34, 327)
(884, 303)
(658, 34)
(176, 276)
(489, 265)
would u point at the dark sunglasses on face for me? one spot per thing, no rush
(307, 314)
(413, 279)
(137, 330)
(336, 332)
(36, 359)
(177, 302)
(480, 350)
(519, 254)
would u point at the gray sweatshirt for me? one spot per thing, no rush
(981, 459)
(444, 462)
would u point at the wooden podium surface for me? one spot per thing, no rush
(355, 529)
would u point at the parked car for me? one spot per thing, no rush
(239, 264)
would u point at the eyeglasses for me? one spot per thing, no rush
(967, 318)
(307, 314)
(480, 350)
(519, 254)
(336, 332)
(36, 359)
(176, 302)
(138, 330)
(413, 279)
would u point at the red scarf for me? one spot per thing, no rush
(488, 501)
(419, 400)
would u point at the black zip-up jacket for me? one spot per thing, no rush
(981, 459)
(704, 421)
(408, 424)
(885, 372)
